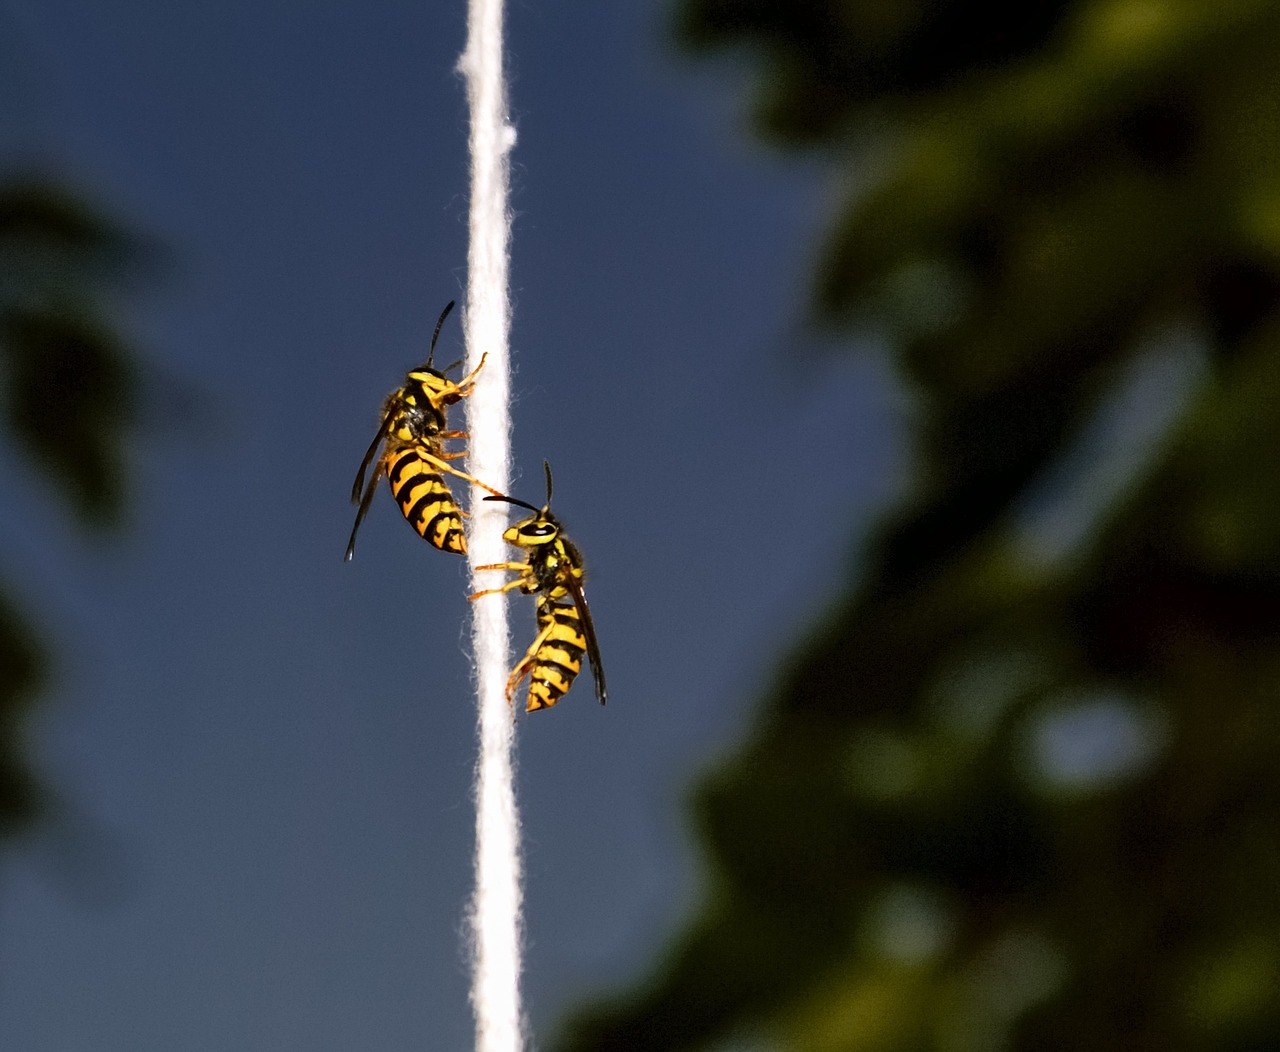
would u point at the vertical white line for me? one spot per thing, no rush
(496, 906)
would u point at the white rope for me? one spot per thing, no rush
(495, 908)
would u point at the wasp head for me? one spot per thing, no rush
(541, 528)
(431, 384)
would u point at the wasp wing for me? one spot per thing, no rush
(574, 587)
(365, 498)
(383, 430)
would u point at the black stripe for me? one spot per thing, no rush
(412, 488)
(573, 653)
(568, 617)
(540, 661)
(428, 529)
(402, 460)
(563, 614)
(545, 703)
(554, 690)
(570, 633)
(418, 510)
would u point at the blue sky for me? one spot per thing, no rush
(264, 753)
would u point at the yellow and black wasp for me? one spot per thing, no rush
(554, 573)
(413, 433)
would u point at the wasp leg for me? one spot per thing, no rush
(496, 591)
(470, 379)
(520, 568)
(527, 662)
(441, 465)
(451, 456)
(453, 434)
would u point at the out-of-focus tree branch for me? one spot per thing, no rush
(68, 388)
(1011, 793)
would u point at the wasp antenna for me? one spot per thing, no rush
(513, 500)
(546, 464)
(439, 325)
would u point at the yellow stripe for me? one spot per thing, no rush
(571, 634)
(549, 655)
(438, 520)
(540, 697)
(447, 534)
(554, 676)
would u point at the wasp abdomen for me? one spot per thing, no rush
(425, 500)
(559, 658)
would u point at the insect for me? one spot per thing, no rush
(554, 573)
(412, 437)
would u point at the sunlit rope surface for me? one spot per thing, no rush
(496, 905)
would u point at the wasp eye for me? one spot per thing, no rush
(538, 530)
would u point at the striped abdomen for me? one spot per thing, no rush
(425, 500)
(559, 658)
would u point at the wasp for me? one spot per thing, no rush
(554, 573)
(412, 436)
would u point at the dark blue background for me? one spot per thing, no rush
(264, 754)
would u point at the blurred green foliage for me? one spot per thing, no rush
(1020, 787)
(67, 400)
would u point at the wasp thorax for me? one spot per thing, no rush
(418, 421)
